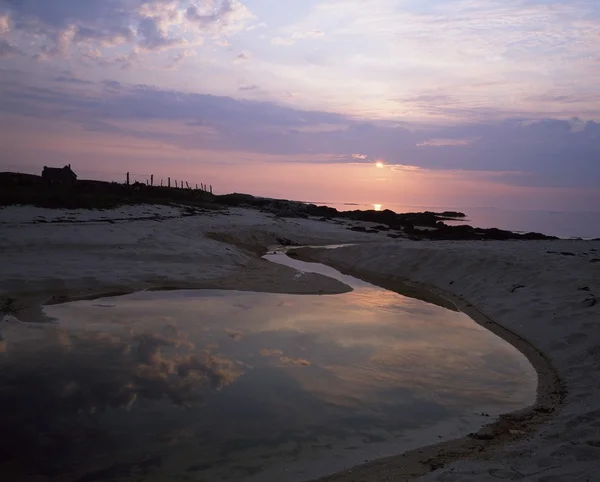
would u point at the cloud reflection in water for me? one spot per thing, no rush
(217, 377)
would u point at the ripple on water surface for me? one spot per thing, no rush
(225, 385)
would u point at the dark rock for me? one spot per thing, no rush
(589, 302)
(236, 199)
(584, 288)
(536, 236)
(516, 287)
(498, 234)
(386, 220)
(323, 211)
(595, 260)
(359, 229)
(566, 253)
(453, 214)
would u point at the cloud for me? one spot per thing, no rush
(66, 22)
(155, 37)
(8, 49)
(311, 34)
(61, 27)
(243, 57)
(359, 156)
(111, 84)
(179, 58)
(68, 78)
(282, 41)
(458, 58)
(291, 40)
(247, 88)
(444, 142)
(228, 17)
(4, 24)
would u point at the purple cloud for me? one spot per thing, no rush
(547, 152)
(8, 49)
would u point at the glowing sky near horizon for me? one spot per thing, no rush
(437, 102)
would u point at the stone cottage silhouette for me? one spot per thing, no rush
(60, 175)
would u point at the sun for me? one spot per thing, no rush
(379, 165)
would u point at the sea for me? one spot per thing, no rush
(563, 224)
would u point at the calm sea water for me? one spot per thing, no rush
(227, 385)
(553, 223)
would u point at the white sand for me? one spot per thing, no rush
(549, 311)
(31, 214)
(89, 257)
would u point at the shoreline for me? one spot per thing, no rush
(537, 293)
(550, 395)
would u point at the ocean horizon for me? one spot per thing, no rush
(563, 224)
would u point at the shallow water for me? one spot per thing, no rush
(224, 385)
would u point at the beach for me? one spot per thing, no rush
(540, 296)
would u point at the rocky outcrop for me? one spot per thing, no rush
(412, 224)
(466, 232)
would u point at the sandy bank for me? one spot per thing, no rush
(542, 292)
(89, 257)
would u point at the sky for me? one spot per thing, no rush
(412, 102)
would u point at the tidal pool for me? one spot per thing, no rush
(212, 385)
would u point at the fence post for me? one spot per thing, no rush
(152, 179)
(211, 188)
(169, 185)
(128, 179)
(161, 183)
